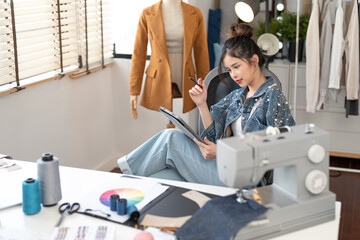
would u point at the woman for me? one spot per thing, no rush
(257, 104)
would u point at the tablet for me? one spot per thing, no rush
(181, 124)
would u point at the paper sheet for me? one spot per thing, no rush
(84, 232)
(159, 221)
(160, 235)
(138, 192)
(197, 197)
(11, 183)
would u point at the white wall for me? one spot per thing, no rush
(85, 122)
(291, 5)
(204, 6)
(66, 117)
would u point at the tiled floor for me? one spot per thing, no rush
(346, 186)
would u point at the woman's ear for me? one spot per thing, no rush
(255, 59)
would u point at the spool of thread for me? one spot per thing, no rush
(133, 213)
(284, 129)
(49, 179)
(121, 206)
(31, 196)
(113, 200)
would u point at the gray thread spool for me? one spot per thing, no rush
(49, 179)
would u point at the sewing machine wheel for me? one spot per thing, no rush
(316, 181)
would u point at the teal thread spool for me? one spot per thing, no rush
(31, 203)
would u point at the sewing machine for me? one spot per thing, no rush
(299, 196)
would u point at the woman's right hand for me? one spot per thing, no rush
(198, 94)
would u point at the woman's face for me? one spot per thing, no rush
(240, 70)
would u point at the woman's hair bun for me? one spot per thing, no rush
(240, 29)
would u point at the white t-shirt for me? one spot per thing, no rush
(236, 126)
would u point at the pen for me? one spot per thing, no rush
(195, 82)
(172, 229)
(94, 215)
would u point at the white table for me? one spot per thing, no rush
(75, 181)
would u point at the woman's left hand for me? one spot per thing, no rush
(208, 150)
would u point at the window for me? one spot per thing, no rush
(47, 39)
(125, 19)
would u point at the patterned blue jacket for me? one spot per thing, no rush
(269, 106)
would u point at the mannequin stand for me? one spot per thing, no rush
(170, 125)
(175, 94)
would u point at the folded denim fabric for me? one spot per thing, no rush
(220, 218)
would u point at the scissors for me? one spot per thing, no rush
(67, 209)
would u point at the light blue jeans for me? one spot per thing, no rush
(170, 154)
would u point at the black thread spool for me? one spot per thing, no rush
(113, 201)
(121, 206)
(133, 213)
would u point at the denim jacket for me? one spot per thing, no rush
(269, 106)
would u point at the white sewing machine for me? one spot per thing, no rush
(299, 196)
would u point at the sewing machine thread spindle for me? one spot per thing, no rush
(240, 196)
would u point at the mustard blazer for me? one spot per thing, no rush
(158, 88)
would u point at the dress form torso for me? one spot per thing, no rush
(174, 32)
(171, 11)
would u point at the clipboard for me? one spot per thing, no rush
(172, 204)
(181, 124)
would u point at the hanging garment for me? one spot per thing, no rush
(325, 50)
(352, 62)
(157, 90)
(213, 34)
(312, 59)
(337, 53)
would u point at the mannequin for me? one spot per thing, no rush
(174, 30)
(172, 17)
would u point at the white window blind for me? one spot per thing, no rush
(48, 38)
(93, 27)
